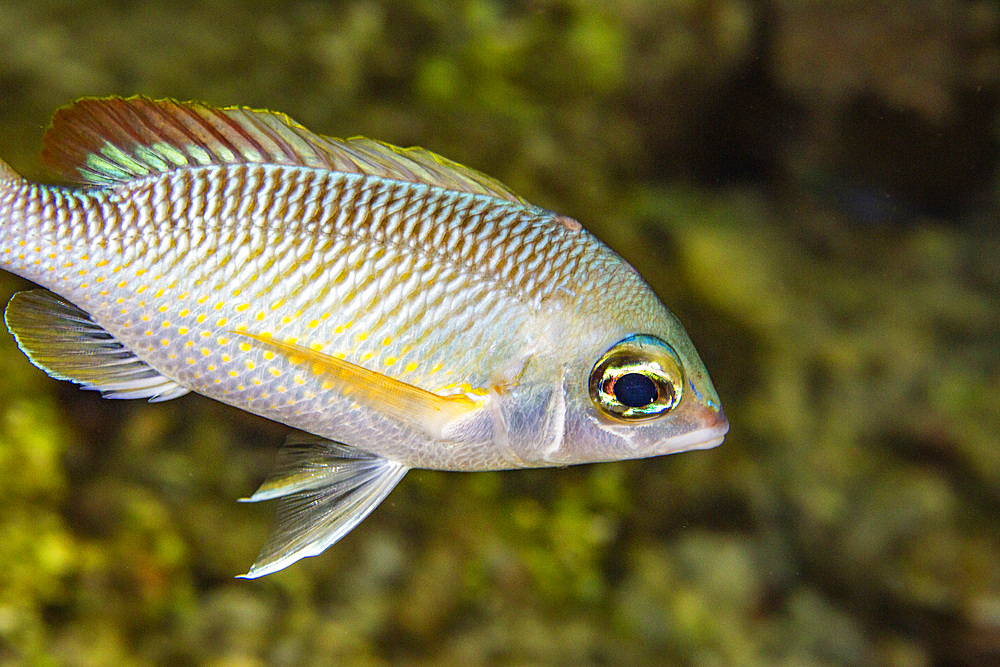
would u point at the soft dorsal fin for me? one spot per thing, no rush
(102, 141)
(67, 344)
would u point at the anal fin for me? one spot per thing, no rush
(325, 489)
(67, 344)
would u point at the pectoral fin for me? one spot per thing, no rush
(423, 410)
(325, 489)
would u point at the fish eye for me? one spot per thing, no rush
(639, 378)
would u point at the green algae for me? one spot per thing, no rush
(852, 515)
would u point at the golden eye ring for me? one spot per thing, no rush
(639, 378)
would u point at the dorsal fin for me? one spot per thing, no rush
(67, 344)
(102, 141)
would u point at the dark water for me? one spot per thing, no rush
(813, 190)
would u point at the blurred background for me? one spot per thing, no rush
(811, 186)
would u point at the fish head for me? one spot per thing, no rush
(631, 384)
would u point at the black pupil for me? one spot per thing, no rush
(635, 390)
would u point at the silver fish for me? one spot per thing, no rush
(400, 310)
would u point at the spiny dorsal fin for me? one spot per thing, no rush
(102, 141)
(7, 172)
(67, 344)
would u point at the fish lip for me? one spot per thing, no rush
(713, 429)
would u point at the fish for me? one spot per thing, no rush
(396, 309)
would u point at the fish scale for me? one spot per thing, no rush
(157, 212)
(389, 299)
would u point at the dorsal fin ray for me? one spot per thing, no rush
(103, 141)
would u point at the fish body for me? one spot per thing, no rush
(402, 310)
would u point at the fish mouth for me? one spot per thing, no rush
(711, 430)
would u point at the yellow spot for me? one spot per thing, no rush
(211, 367)
(82, 272)
(237, 291)
(103, 262)
(222, 340)
(190, 361)
(182, 295)
(182, 330)
(277, 304)
(203, 299)
(233, 373)
(410, 367)
(172, 355)
(184, 312)
(435, 368)
(324, 316)
(286, 320)
(316, 346)
(164, 342)
(299, 379)
(242, 307)
(219, 305)
(200, 318)
(166, 323)
(225, 358)
(250, 365)
(99, 279)
(259, 317)
(140, 272)
(326, 385)
(216, 380)
(103, 292)
(338, 329)
(82, 286)
(245, 347)
(275, 372)
(387, 341)
(258, 383)
(362, 336)
(205, 351)
(190, 343)
(269, 355)
(291, 340)
(206, 334)
(145, 318)
(142, 288)
(340, 355)
(313, 324)
(283, 390)
(389, 361)
(122, 284)
(159, 293)
(162, 309)
(119, 300)
(368, 355)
